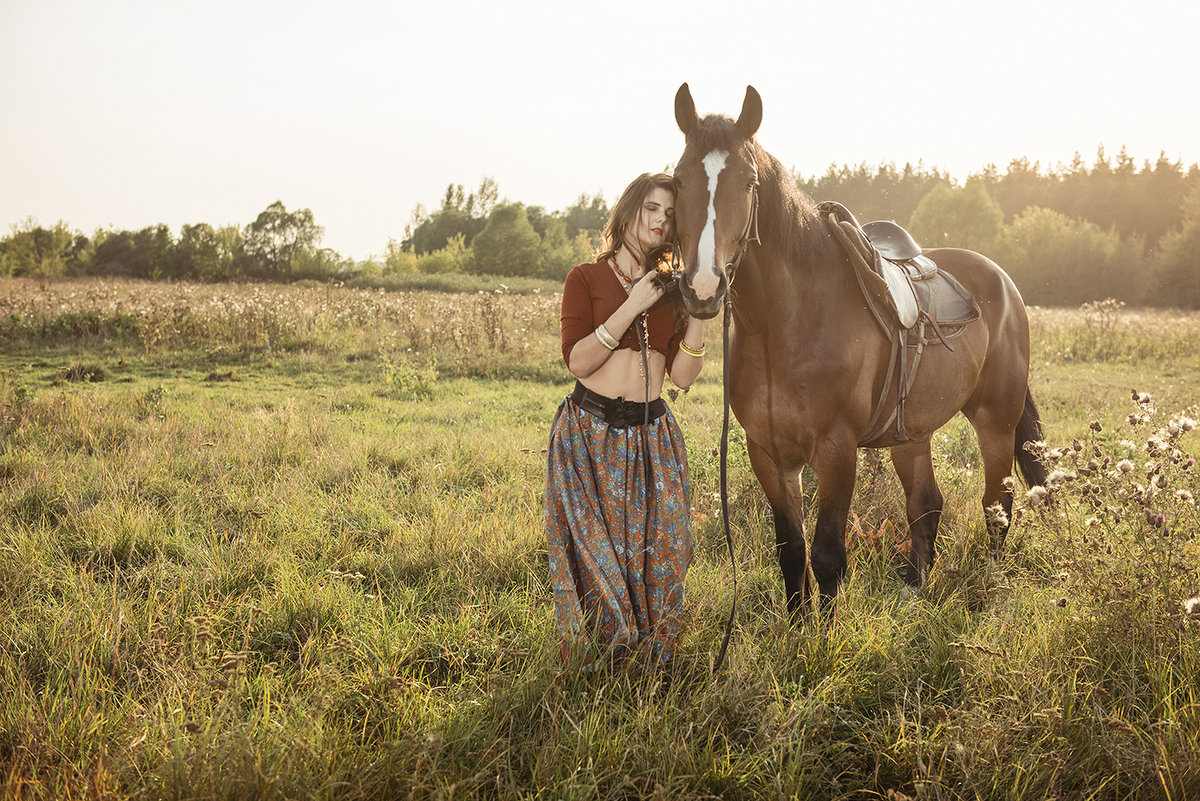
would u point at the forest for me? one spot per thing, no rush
(1068, 234)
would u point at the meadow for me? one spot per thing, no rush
(285, 542)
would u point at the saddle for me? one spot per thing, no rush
(909, 297)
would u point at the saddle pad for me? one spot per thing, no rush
(946, 300)
(901, 290)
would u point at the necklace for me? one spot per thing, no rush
(626, 280)
(627, 285)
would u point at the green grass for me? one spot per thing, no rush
(299, 554)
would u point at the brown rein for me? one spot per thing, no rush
(731, 268)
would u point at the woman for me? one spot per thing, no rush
(617, 490)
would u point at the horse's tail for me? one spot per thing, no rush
(1029, 429)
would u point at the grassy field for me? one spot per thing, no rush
(286, 542)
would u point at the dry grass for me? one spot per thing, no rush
(320, 574)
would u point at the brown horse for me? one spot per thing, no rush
(809, 365)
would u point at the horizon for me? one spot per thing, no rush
(130, 116)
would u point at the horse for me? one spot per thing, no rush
(808, 365)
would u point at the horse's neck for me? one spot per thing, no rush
(793, 278)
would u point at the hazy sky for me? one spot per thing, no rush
(126, 113)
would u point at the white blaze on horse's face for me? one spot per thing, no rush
(708, 274)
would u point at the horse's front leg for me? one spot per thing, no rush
(835, 475)
(783, 494)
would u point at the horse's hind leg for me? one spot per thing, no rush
(783, 494)
(996, 442)
(923, 506)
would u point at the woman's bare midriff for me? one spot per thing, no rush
(621, 376)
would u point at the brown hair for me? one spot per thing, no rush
(628, 207)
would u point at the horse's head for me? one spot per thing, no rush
(716, 198)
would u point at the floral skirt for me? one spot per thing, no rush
(618, 554)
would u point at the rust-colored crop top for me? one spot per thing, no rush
(592, 293)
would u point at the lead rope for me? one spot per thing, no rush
(725, 475)
(644, 344)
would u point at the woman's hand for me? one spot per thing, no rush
(645, 293)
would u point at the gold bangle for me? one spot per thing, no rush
(606, 339)
(696, 353)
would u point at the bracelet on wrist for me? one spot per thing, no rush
(606, 339)
(683, 346)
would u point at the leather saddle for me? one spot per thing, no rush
(925, 300)
(914, 280)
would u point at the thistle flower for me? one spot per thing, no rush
(1191, 607)
(1059, 476)
(1125, 466)
(1183, 496)
(995, 515)
(1095, 426)
(1160, 481)
(1009, 483)
(1036, 495)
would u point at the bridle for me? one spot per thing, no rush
(747, 239)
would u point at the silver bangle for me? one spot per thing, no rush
(606, 339)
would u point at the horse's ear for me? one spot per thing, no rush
(751, 116)
(685, 110)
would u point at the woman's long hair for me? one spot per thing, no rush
(625, 213)
(628, 207)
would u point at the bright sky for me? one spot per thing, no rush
(127, 113)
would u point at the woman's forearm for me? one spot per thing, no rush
(687, 364)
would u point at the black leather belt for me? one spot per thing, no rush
(617, 412)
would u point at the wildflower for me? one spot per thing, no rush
(995, 515)
(1009, 483)
(1036, 495)
(1183, 496)
(1091, 521)
(1191, 607)
(1059, 476)
(1141, 398)
(1125, 466)
(1095, 426)
(1160, 481)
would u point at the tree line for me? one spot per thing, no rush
(1067, 235)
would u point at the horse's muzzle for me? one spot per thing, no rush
(703, 309)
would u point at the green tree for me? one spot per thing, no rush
(460, 213)
(277, 237)
(34, 250)
(558, 253)
(963, 218)
(1059, 261)
(205, 253)
(507, 245)
(1176, 273)
(586, 215)
(147, 253)
(875, 193)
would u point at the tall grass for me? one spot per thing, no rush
(292, 548)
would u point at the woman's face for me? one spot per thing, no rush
(652, 227)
